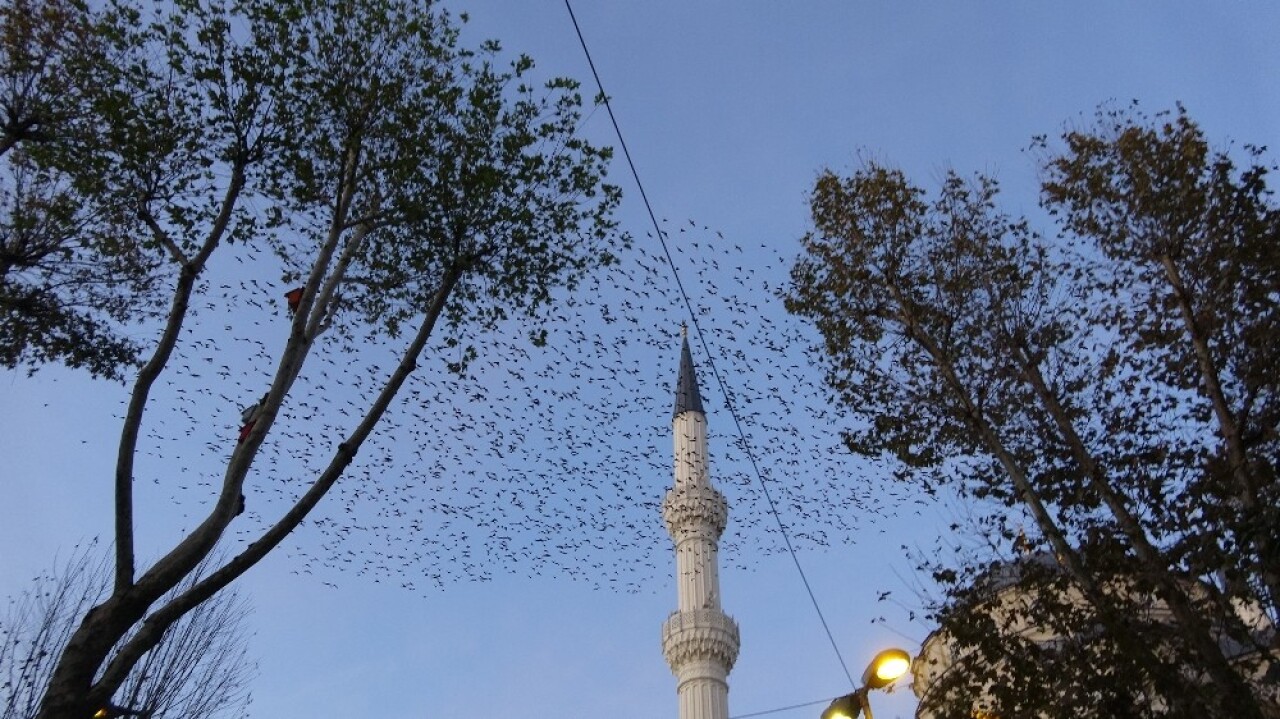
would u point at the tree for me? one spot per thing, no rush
(199, 670)
(397, 182)
(63, 286)
(1117, 384)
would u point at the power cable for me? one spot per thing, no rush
(693, 317)
(780, 709)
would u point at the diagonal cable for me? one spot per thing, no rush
(693, 317)
(781, 709)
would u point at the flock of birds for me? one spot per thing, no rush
(533, 460)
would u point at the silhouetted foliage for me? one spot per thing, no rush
(65, 281)
(1117, 385)
(405, 184)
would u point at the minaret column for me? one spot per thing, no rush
(699, 640)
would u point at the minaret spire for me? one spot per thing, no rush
(699, 640)
(687, 397)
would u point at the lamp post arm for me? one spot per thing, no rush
(862, 701)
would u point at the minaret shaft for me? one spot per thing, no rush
(690, 430)
(699, 640)
(697, 542)
(698, 582)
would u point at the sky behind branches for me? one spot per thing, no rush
(730, 110)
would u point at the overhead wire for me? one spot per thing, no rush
(715, 372)
(780, 709)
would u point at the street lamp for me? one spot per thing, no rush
(884, 669)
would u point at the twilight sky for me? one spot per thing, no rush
(730, 110)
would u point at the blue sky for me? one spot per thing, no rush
(730, 110)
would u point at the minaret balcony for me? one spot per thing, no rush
(700, 635)
(695, 510)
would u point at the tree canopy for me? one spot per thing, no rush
(396, 182)
(1114, 384)
(65, 283)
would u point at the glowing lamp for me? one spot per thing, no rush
(886, 668)
(846, 707)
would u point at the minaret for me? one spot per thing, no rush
(699, 640)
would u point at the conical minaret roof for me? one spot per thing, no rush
(687, 397)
